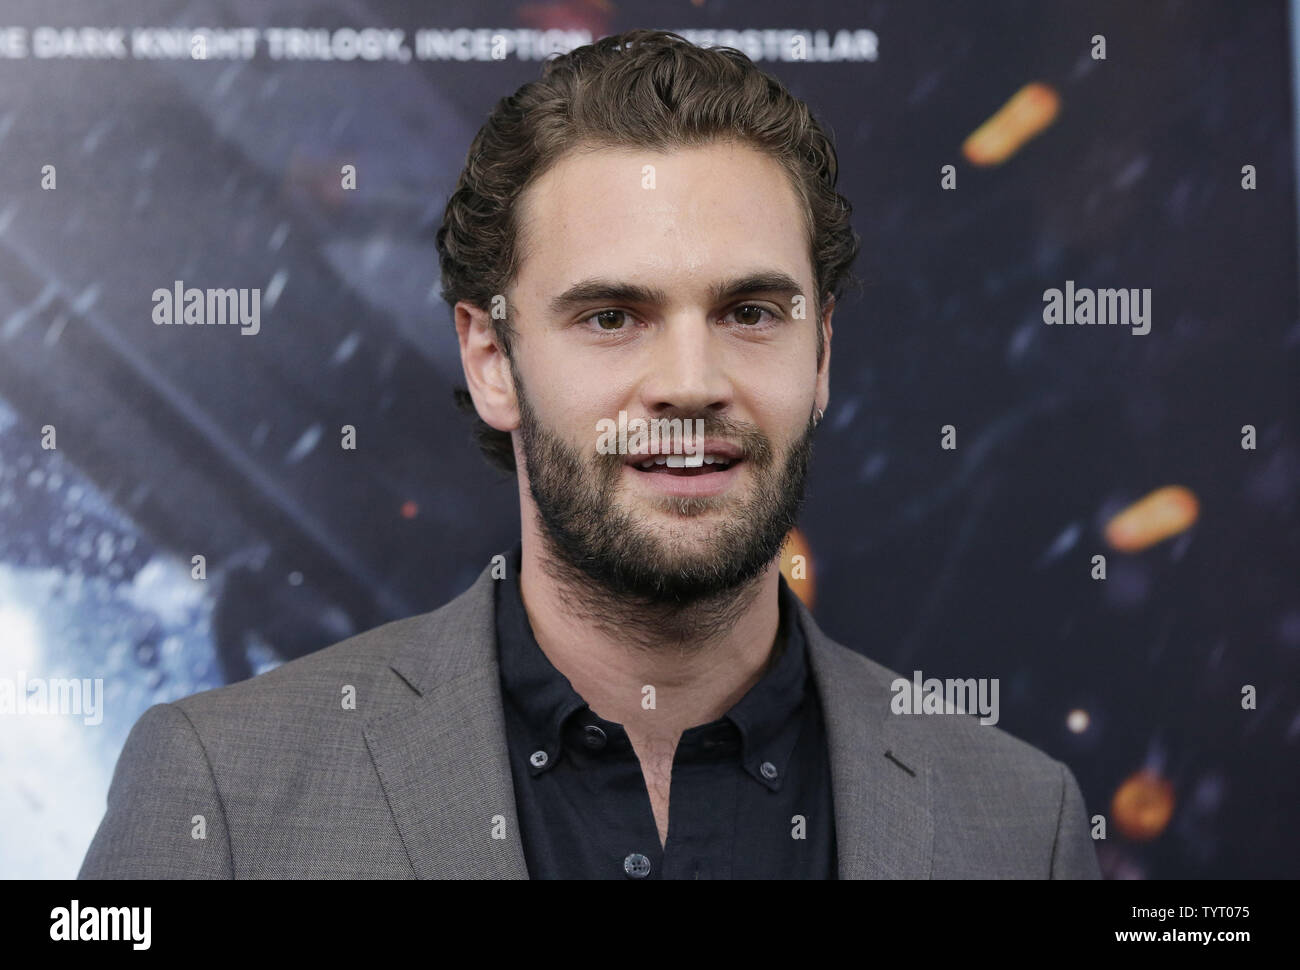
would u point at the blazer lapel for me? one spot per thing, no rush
(443, 761)
(884, 820)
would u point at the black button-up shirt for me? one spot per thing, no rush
(750, 795)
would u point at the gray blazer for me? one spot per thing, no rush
(277, 777)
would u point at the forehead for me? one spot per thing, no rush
(677, 218)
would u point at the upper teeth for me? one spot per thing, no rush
(684, 461)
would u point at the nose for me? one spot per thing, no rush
(686, 369)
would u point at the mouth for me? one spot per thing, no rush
(684, 466)
(688, 476)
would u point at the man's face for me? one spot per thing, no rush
(666, 295)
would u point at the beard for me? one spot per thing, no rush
(596, 540)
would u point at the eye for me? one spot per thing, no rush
(607, 321)
(750, 315)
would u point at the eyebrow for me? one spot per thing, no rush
(598, 290)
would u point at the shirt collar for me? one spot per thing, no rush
(530, 681)
(764, 717)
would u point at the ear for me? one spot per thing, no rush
(823, 396)
(487, 371)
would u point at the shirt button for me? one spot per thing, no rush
(593, 737)
(768, 770)
(537, 759)
(636, 866)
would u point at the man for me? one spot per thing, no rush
(649, 233)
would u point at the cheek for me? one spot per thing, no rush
(571, 407)
(574, 389)
(782, 402)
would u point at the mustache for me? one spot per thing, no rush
(754, 446)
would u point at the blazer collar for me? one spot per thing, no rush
(880, 774)
(444, 766)
(442, 759)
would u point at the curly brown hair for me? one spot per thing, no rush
(649, 89)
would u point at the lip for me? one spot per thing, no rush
(685, 486)
(712, 446)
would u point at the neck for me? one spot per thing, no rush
(700, 658)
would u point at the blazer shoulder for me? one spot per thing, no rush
(955, 742)
(377, 666)
(1001, 806)
(362, 661)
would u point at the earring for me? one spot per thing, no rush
(820, 414)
